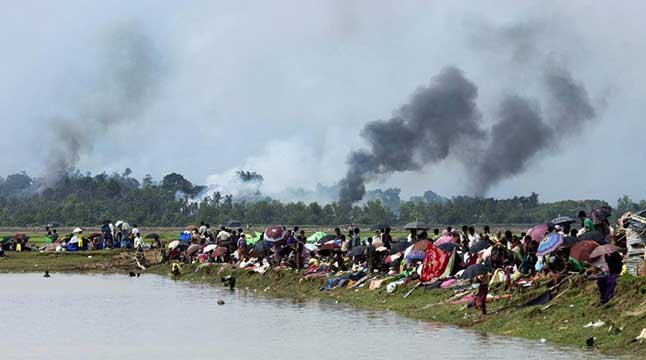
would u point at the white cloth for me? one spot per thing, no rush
(223, 235)
(139, 242)
(473, 239)
(135, 231)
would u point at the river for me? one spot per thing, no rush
(152, 317)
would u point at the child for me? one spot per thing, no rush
(483, 291)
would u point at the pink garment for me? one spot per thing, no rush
(445, 238)
(448, 283)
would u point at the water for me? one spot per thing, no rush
(152, 317)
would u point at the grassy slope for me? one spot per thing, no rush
(560, 323)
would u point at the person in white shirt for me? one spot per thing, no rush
(223, 235)
(135, 231)
(473, 236)
(139, 242)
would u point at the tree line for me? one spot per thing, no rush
(85, 199)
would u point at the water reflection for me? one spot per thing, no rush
(113, 316)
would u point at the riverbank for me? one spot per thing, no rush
(560, 322)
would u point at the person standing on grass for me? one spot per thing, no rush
(483, 291)
(386, 238)
(371, 254)
(242, 247)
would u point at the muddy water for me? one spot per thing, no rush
(152, 317)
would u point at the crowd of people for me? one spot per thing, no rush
(448, 257)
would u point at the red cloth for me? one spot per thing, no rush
(435, 262)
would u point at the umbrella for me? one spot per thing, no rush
(208, 248)
(316, 237)
(570, 240)
(173, 244)
(152, 236)
(95, 235)
(444, 239)
(326, 238)
(416, 225)
(19, 235)
(581, 250)
(399, 246)
(595, 235)
(421, 245)
(219, 251)
(448, 247)
(550, 243)
(378, 226)
(274, 233)
(262, 246)
(77, 230)
(357, 251)
(475, 270)
(191, 227)
(413, 255)
(479, 246)
(233, 224)
(192, 249)
(562, 220)
(330, 246)
(603, 250)
(537, 232)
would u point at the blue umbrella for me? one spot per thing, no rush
(550, 243)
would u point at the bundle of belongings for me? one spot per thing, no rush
(634, 225)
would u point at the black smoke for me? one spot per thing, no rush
(441, 117)
(437, 119)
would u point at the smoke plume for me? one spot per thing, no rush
(439, 118)
(424, 131)
(128, 76)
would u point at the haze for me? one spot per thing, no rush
(284, 88)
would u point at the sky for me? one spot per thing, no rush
(285, 87)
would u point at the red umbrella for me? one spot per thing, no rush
(219, 251)
(274, 233)
(94, 235)
(330, 246)
(581, 250)
(19, 236)
(192, 249)
(537, 232)
(421, 245)
(603, 250)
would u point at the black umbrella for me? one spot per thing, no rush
(479, 246)
(327, 238)
(595, 235)
(234, 224)
(262, 247)
(416, 225)
(475, 270)
(570, 240)
(357, 251)
(447, 246)
(152, 236)
(562, 220)
(399, 246)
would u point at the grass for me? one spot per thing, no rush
(561, 323)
